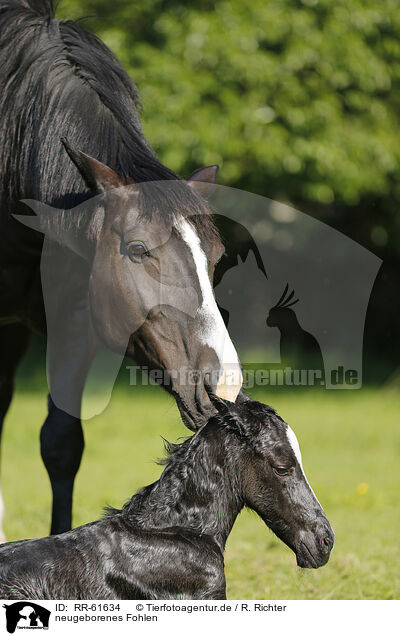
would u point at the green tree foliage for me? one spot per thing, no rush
(301, 97)
(295, 99)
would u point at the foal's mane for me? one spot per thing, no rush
(60, 80)
(197, 455)
(180, 458)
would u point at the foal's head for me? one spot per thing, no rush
(268, 468)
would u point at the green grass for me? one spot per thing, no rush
(350, 442)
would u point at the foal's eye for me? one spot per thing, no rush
(281, 471)
(136, 251)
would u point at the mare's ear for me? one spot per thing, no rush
(97, 176)
(203, 180)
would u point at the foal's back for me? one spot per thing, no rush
(111, 559)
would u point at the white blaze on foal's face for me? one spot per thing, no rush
(293, 441)
(213, 332)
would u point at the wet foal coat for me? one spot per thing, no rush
(168, 540)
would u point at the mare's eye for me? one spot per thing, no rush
(281, 471)
(136, 250)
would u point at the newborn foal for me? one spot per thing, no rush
(168, 540)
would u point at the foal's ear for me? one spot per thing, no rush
(203, 180)
(224, 408)
(242, 398)
(97, 176)
(220, 404)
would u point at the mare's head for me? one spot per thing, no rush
(270, 478)
(154, 250)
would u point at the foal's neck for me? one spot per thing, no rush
(198, 490)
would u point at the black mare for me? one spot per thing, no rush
(168, 540)
(57, 82)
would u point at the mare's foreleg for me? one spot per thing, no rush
(14, 340)
(61, 439)
(61, 444)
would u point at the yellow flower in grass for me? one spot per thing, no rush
(362, 489)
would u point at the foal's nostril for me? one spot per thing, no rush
(327, 542)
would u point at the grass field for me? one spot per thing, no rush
(350, 442)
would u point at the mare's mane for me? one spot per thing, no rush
(60, 80)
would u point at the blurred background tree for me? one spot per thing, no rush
(295, 100)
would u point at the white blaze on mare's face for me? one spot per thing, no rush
(212, 328)
(293, 441)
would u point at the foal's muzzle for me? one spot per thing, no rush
(314, 546)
